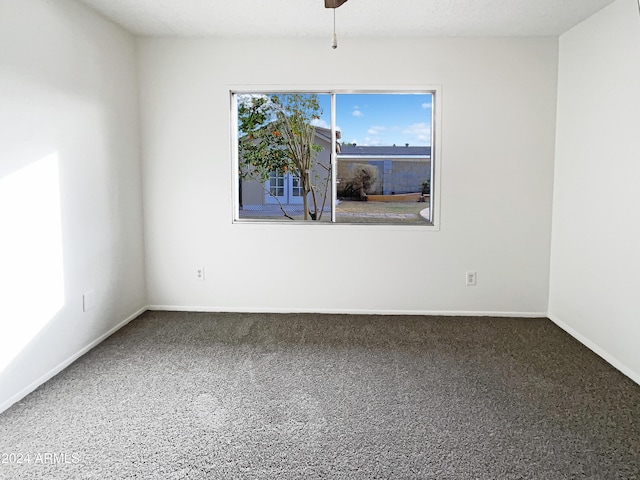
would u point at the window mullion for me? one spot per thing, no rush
(333, 158)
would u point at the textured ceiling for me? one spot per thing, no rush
(356, 18)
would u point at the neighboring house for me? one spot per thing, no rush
(285, 189)
(400, 169)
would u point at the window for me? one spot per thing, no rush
(276, 186)
(334, 157)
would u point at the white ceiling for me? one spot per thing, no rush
(356, 18)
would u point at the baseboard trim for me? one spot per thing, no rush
(439, 313)
(595, 348)
(54, 371)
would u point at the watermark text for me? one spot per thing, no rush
(40, 458)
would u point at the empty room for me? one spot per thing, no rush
(319, 239)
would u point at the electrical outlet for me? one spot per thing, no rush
(200, 274)
(472, 278)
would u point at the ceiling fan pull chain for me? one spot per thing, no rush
(334, 37)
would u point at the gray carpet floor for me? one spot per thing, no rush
(262, 396)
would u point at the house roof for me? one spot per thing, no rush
(386, 151)
(324, 133)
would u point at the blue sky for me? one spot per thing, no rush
(381, 119)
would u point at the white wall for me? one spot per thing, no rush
(70, 187)
(498, 127)
(595, 262)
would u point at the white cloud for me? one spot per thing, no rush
(419, 131)
(426, 105)
(318, 122)
(375, 129)
(357, 113)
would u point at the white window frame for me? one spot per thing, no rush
(436, 151)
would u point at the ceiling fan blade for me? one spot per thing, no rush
(333, 3)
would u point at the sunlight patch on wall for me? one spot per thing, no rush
(31, 263)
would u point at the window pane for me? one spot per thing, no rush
(296, 188)
(383, 159)
(384, 164)
(284, 145)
